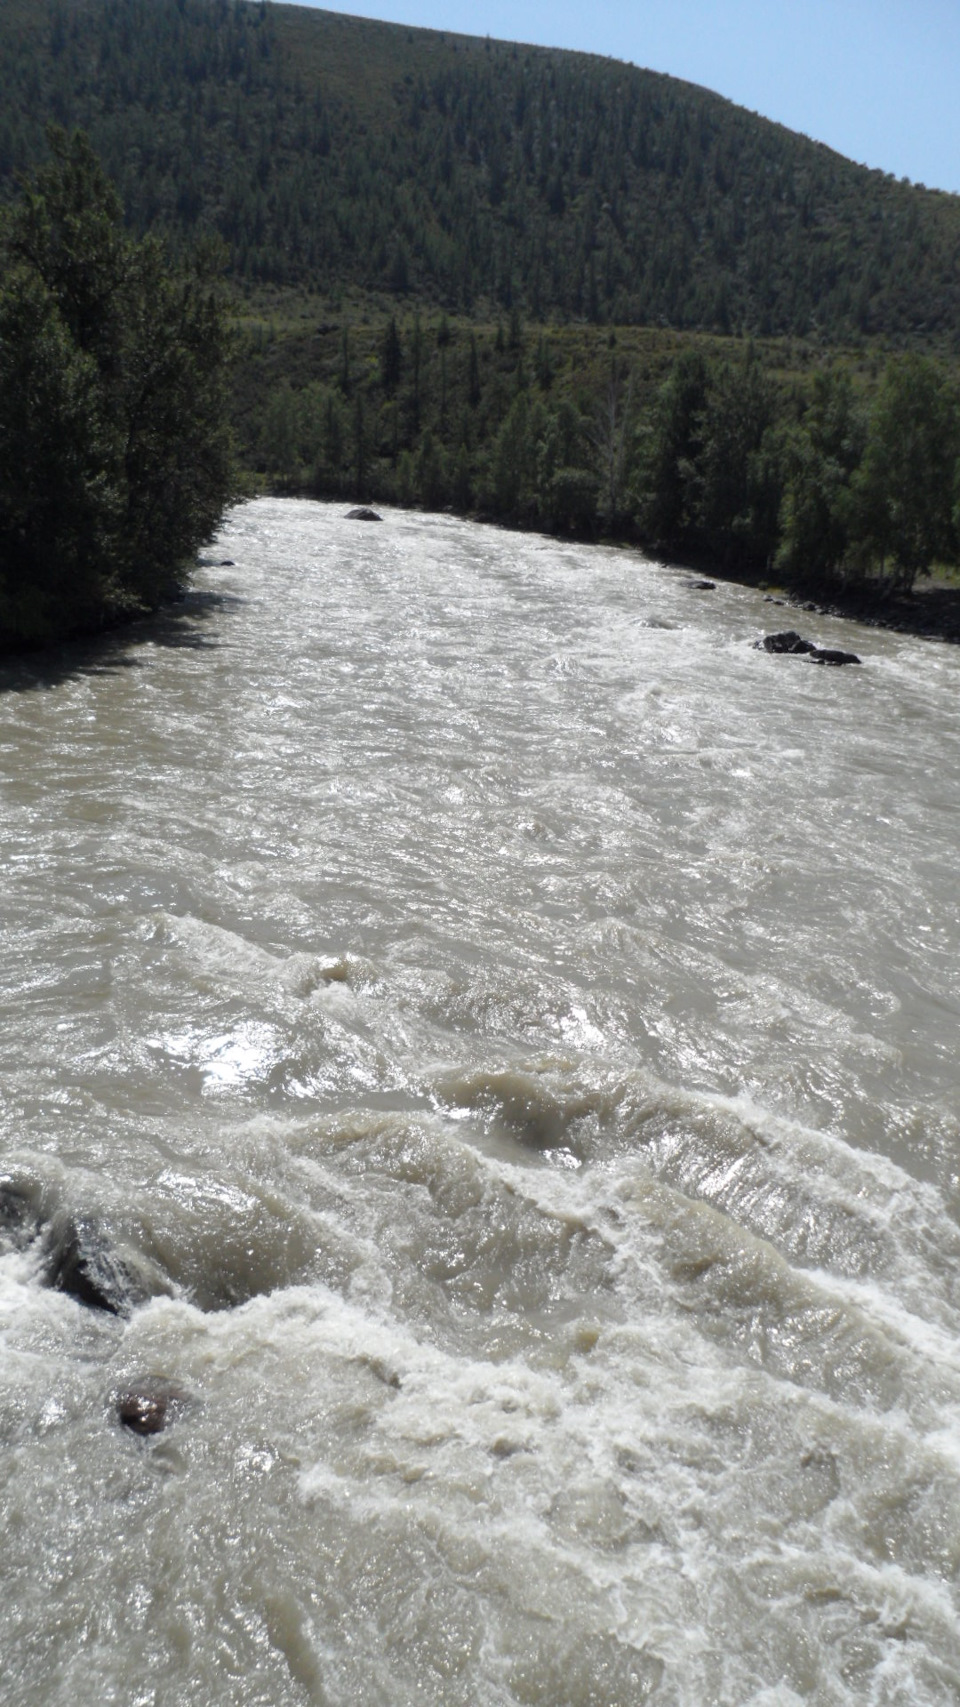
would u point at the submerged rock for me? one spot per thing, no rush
(787, 641)
(19, 1220)
(702, 586)
(150, 1406)
(363, 514)
(831, 655)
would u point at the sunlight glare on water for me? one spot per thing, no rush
(501, 1029)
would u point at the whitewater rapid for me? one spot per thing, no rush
(504, 1029)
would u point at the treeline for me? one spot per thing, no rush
(330, 152)
(115, 452)
(116, 445)
(821, 482)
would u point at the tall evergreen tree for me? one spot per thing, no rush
(674, 442)
(115, 457)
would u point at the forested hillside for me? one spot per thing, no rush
(331, 152)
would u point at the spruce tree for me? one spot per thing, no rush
(115, 456)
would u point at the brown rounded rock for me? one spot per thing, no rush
(150, 1406)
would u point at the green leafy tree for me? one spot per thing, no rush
(334, 435)
(280, 435)
(391, 357)
(904, 489)
(571, 499)
(416, 366)
(737, 467)
(406, 481)
(821, 458)
(461, 480)
(360, 448)
(513, 460)
(613, 439)
(473, 374)
(431, 473)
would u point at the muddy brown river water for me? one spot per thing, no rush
(501, 1029)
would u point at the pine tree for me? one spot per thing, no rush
(115, 457)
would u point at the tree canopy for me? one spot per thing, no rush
(115, 454)
(830, 479)
(331, 152)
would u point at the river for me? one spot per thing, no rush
(504, 1029)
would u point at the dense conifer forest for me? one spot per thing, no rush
(115, 453)
(329, 151)
(539, 287)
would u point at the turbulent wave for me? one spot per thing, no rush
(487, 1035)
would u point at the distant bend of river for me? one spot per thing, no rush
(507, 1027)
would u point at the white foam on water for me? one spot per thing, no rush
(506, 1028)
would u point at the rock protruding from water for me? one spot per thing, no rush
(77, 1253)
(790, 641)
(150, 1406)
(363, 514)
(81, 1263)
(702, 586)
(832, 655)
(787, 641)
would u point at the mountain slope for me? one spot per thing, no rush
(329, 150)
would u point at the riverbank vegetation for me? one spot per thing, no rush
(115, 449)
(833, 477)
(538, 287)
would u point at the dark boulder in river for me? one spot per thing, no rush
(81, 1263)
(702, 586)
(148, 1407)
(830, 655)
(787, 641)
(363, 515)
(77, 1254)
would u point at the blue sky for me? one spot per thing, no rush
(877, 79)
